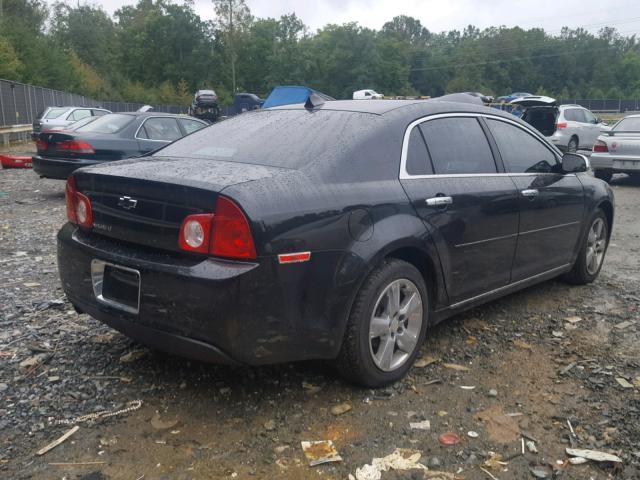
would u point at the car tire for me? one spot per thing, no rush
(593, 248)
(573, 145)
(364, 358)
(605, 175)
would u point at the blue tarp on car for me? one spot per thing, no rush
(290, 94)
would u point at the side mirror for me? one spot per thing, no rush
(574, 163)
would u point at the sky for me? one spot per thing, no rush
(440, 15)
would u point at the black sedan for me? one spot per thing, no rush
(328, 231)
(111, 137)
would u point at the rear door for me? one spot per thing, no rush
(156, 132)
(592, 129)
(551, 203)
(467, 204)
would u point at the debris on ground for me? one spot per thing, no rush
(540, 471)
(449, 438)
(501, 427)
(319, 452)
(57, 442)
(531, 446)
(400, 459)
(424, 425)
(269, 425)
(455, 366)
(133, 356)
(340, 409)
(425, 361)
(159, 424)
(594, 455)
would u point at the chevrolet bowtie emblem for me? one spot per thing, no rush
(127, 203)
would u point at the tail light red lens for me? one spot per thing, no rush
(561, 125)
(225, 233)
(76, 146)
(78, 205)
(41, 145)
(600, 146)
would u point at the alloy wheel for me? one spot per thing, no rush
(395, 324)
(596, 245)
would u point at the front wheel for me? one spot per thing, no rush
(592, 251)
(386, 327)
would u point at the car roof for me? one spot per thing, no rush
(155, 114)
(382, 107)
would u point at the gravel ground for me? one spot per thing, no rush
(554, 364)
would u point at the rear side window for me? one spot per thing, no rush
(520, 151)
(418, 162)
(79, 115)
(574, 115)
(55, 112)
(458, 145)
(99, 113)
(111, 123)
(191, 126)
(160, 128)
(629, 124)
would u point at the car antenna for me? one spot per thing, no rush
(314, 100)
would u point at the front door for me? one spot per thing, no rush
(551, 203)
(470, 210)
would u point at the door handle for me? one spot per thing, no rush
(439, 201)
(530, 193)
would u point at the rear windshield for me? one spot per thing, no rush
(55, 112)
(277, 138)
(110, 123)
(628, 125)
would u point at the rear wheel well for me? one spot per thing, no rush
(607, 208)
(425, 266)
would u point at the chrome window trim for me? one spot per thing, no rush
(404, 175)
(153, 140)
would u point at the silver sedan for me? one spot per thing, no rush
(618, 150)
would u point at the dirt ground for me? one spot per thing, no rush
(555, 365)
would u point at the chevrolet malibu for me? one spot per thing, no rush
(334, 230)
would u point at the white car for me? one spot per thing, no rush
(568, 127)
(618, 150)
(366, 95)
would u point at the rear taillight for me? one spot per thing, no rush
(78, 205)
(225, 233)
(41, 145)
(600, 146)
(560, 125)
(75, 146)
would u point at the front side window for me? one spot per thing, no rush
(589, 117)
(458, 145)
(520, 151)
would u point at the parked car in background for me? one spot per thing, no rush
(328, 231)
(291, 94)
(245, 102)
(513, 96)
(115, 136)
(618, 150)
(366, 95)
(485, 98)
(55, 117)
(568, 127)
(205, 106)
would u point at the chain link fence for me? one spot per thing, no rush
(20, 104)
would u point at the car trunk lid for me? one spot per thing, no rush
(146, 202)
(540, 112)
(535, 101)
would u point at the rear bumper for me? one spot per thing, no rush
(600, 161)
(214, 310)
(59, 168)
